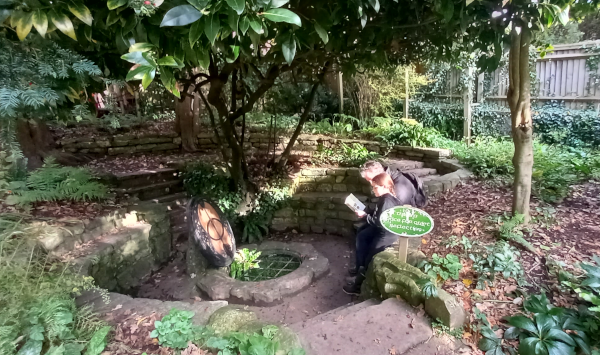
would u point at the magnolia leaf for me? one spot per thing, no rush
(288, 47)
(112, 18)
(113, 4)
(81, 12)
(138, 73)
(212, 28)
(148, 78)
(130, 24)
(180, 16)
(233, 55)
(363, 20)
(283, 15)
(63, 23)
(199, 4)
(244, 24)
(87, 31)
(40, 22)
(563, 16)
(233, 18)
(168, 61)
(141, 47)
(195, 32)
(277, 3)
(322, 33)
(256, 26)
(203, 56)
(237, 5)
(149, 59)
(374, 4)
(469, 2)
(135, 58)
(24, 25)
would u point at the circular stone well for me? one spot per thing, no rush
(218, 285)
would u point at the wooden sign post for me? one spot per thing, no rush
(406, 222)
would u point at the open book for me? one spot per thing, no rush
(354, 203)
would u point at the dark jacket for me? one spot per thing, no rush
(405, 190)
(384, 203)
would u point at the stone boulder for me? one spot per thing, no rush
(230, 319)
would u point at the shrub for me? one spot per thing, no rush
(37, 308)
(345, 155)
(497, 258)
(556, 124)
(217, 186)
(52, 182)
(409, 132)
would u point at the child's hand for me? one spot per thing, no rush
(360, 213)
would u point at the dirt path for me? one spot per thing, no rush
(323, 295)
(172, 283)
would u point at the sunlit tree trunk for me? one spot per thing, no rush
(186, 122)
(519, 100)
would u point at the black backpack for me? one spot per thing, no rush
(420, 198)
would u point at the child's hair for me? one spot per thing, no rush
(384, 180)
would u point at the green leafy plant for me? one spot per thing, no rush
(453, 241)
(243, 261)
(37, 304)
(439, 328)
(354, 155)
(408, 132)
(589, 288)
(498, 258)
(52, 182)
(175, 329)
(442, 268)
(428, 287)
(512, 229)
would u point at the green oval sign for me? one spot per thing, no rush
(407, 221)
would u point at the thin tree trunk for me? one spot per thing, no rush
(309, 105)
(519, 100)
(185, 123)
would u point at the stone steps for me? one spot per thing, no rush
(335, 314)
(151, 191)
(372, 328)
(145, 177)
(178, 199)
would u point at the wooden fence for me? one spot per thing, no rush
(562, 75)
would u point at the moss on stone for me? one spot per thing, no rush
(230, 319)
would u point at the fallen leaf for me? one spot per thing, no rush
(119, 306)
(424, 242)
(467, 282)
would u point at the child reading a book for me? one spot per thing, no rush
(373, 238)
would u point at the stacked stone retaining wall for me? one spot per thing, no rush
(118, 249)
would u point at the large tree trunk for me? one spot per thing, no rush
(37, 144)
(519, 100)
(186, 122)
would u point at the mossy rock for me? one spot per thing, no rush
(230, 319)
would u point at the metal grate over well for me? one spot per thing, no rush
(271, 266)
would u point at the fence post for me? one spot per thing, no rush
(468, 109)
(341, 90)
(406, 90)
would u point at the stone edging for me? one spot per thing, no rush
(219, 286)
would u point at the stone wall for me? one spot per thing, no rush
(317, 205)
(119, 249)
(256, 141)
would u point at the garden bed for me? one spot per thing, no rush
(566, 235)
